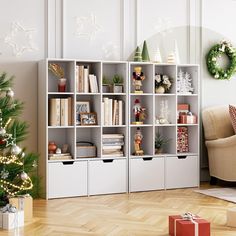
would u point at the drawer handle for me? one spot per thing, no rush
(147, 158)
(108, 160)
(182, 157)
(68, 162)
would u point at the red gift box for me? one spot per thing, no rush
(184, 226)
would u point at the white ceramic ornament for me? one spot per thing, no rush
(22, 154)
(15, 150)
(58, 151)
(10, 93)
(24, 176)
(2, 131)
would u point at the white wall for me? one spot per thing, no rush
(22, 44)
(105, 29)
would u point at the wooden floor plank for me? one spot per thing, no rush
(135, 214)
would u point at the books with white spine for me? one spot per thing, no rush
(55, 112)
(64, 112)
(102, 114)
(91, 84)
(110, 112)
(120, 113)
(86, 79)
(114, 113)
(106, 111)
(96, 84)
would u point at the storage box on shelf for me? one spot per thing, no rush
(94, 167)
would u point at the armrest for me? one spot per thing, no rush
(222, 142)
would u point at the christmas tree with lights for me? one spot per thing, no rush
(17, 169)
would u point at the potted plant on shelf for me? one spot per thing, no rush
(106, 85)
(117, 83)
(160, 142)
(58, 71)
(162, 83)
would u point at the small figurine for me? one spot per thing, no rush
(138, 77)
(139, 112)
(137, 143)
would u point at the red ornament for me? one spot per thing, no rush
(2, 141)
(52, 147)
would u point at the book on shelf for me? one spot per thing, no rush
(112, 145)
(61, 156)
(60, 111)
(54, 112)
(85, 82)
(113, 111)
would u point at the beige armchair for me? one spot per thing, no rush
(220, 142)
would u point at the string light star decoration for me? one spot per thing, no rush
(87, 27)
(20, 39)
(16, 167)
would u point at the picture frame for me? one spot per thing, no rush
(81, 107)
(88, 118)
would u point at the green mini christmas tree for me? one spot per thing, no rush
(16, 166)
(138, 54)
(145, 54)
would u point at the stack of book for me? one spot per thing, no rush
(60, 111)
(85, 82)
(112, 112)
(112, 145)
(62, 156)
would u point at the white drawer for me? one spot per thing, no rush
(67, 179)
(182, 172)
(146, 174)
(107, 176)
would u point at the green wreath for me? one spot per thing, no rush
(211, 60)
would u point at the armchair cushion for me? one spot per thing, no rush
(232, 113)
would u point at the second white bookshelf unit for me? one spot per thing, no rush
(110, 127)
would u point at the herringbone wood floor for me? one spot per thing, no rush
(138, 214)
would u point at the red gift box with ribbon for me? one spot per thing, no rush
(188, 225)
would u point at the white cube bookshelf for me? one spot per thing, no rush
(129, 173)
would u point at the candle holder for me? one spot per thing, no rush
(62, 85)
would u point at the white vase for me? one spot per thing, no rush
(160, 89)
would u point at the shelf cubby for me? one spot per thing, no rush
(147, 103)
(168, 133)
(69, 70)
(90, 134)
(147, 141)
(63, 136)
(118, 130)
(171, 101)
(193, 70)
(148, 72)
(95, 68)
(109, 69)
(94, 103)
(170, 71)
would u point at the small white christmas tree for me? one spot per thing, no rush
(171, 58)
(157, 56)
(176, 53)
(184, 83)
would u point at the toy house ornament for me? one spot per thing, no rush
(145, 54)
(138, 137)
(138, 54)
(139, 112)
(138, 77)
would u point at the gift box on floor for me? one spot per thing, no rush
(231, 217)
(188, 225)
(9, 220)
(23, 203)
